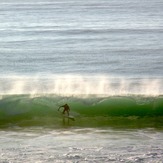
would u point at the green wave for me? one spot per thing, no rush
(89, 111)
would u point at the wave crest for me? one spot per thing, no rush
(80, 85)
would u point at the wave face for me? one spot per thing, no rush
(89, 111)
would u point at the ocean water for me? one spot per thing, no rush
(104, 58)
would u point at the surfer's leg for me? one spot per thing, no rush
(63, 111)
(67, 112)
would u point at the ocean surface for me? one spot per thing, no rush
(104, 58)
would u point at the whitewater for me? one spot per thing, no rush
(103, 58)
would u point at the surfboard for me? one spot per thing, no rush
(69, 117)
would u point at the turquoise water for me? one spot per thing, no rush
(105, 129)
(116, 111)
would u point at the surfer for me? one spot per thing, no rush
(66, 109)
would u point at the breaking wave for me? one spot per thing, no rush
(89, 111)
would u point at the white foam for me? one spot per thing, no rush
(78, 85)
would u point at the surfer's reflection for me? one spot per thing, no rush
(65, 121)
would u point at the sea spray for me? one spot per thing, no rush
(73, 85)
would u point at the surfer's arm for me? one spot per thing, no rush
(60, 107)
